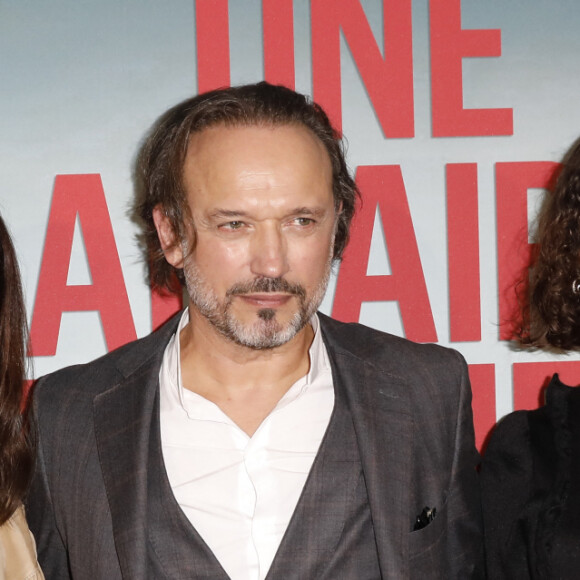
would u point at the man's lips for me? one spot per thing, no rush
(266, 300)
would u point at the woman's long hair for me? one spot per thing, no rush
(15, 454)
(553, 318)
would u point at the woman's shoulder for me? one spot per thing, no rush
(522, 434)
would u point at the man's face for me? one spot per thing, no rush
(262, 206)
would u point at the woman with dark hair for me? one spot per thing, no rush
(17, 551)
(531, 470)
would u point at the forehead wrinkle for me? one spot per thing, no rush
(263, 179)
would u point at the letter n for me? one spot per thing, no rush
(212, 44)
(388, 79)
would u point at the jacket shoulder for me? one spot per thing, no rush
(89, 379)
(384, 350)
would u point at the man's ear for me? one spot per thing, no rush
(170, 246)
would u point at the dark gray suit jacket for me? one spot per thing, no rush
(411, 409)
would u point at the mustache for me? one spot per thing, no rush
(263, 284)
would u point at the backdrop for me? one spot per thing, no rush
(455, 112)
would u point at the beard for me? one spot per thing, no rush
(266, 332)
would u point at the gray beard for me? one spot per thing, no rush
(266, 332)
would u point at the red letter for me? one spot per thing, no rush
(278, 22)
(388, 79)
(463, 252)
(82, 195)
(449, 44)
(513, 251)
(383, 186)
(482, 378)
(213, 44)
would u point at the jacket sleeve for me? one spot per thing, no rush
(52, 554)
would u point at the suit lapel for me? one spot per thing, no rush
(383, 424)
(123, 418)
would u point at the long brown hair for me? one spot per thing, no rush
(553, 318)
(15, 453)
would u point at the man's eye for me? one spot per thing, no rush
(303, 221)
(235, 225)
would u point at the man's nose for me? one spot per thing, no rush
(269, 253)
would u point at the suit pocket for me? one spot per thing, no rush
(426, 543)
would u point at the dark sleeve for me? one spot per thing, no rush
(509, 515)
(465, 534)
(52, 554)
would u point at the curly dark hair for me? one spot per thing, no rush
(159, 170)
(553, 317)
(15, 451)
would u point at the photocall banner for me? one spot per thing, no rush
(455, 113)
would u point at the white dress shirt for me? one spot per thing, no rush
(239, 492)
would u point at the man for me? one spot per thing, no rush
(251, 437)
